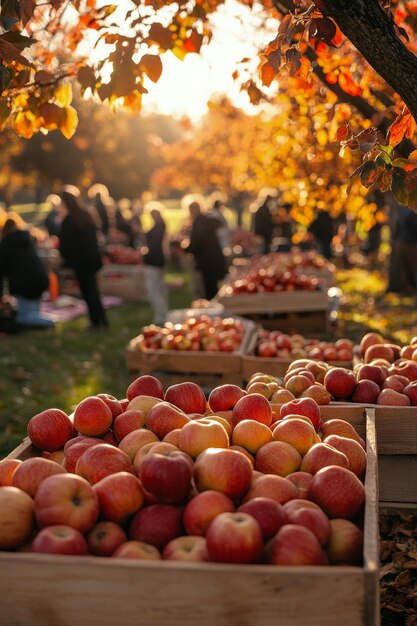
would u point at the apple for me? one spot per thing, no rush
(252, 406)
(366, 391)
(353, 450)
(203, 508)
(72, 453)
(234, 538)
(281, 396)
(298, 383)
(8, 468)
(406, 352)
(134, 441)
(251, 435)
(389, 397)
(33, 471)
(164, 417)
(342, 428)
(124, 403)
(119, 495)
(396, 382)
(109, 438)
(142, 403)
(343, 344)
(60, 539)
(294, 545)
(161, 447)
(105, 537)
(277, 457)
(66, 499)
(405, 368)
(409, 390)
(145, 385)
(128, 421)
(313, 519)
(298, 433)
(345, 545)
(137, 550)
(302, 481)
(187, 396)
(299, 503)
(200, 434)
(338, 491)
(260, 388)
(16, 517)
(220, 419)
(269, 514)
(271, 486)
(50, 429)
(187, 548)
(303, 406)
(102, 460)
(92, 417)
(112, 402)
(340, 382)
(224, 397)
(224, 470)
(317, 392)
(379, 351)
(370, 339)
(173, 437)
(166, 476)
(321, 455)
(266, 349)
(157, 524)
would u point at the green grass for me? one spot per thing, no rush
(58, 368)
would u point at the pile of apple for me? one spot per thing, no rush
(122, 255)
(276, 343)
(386, 376)
(210, 334)
(171, 475)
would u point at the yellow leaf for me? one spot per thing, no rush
(63, 94)
(179, 52)
(69, 122)
(321, 137)
(23, 125)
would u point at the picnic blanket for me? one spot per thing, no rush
(66, 308)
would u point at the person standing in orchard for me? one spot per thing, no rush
(79, 248)
(154, 261)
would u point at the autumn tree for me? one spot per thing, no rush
(361, 50)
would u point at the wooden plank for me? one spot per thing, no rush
(398, 478)
(400, 507)
(284, 301)
(396, 429)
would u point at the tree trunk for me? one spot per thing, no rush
(369, 29)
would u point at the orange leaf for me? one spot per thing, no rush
(151, 64)
(342, 132)
(403, 126)
(161, 35)
(348, 85)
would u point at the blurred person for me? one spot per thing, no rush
(24, 272)
(322, 230)
(263, 221)
(154, 262)
(99, 196)
(53, 220)
(122, 218)
(80, 251)
(205, 247)
(223, 231)
(406, 249)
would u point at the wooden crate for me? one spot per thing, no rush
(123, 281)
(46, 590)
(208, 369)
(272, 302)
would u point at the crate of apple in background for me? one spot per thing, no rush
(273, 351)
(208, 348)
(171, 525)
(122, 281)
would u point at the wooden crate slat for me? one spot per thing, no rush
(398, 478)
(284, 301)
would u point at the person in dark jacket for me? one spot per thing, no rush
(154, 261)
(79, 248)
(205, 247)
(25, 274)
(406, 248)
(322, 229)
(263, 221)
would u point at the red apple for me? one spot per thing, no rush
(321, 455)
(187, 548)
(119, 496)
(203, 508)
(313, 519)
(104, 538)
(366, 392)
(346, 543)
(338, 491)
(317, 392)
(50, 429)
(157, 524)
(294, 545)
(296, 432)
(92, 417)
(145, 385)
(234, 538)
(389, 397)
(379, 351)
(60, 539)
(200, 434)
(405, 368)
(353, 450)
(370, 339)
(16, 517)
(396, 382)
(340, 382)
(299, 503)
(8, 468)
(253, 406)
(251, 435)
(187, 396)
(303, 406)
(73, 452)
(342, 428)
(409, 390)
(137, 550)
(128, 421)
(166, 476)
(66, 499)
(135, 440)
(102, 460)
(277, 457)
(302, 481)
(269, 514)
(164, 417)
(224, 397)
(32, 472)
(112, 402)
(271, 486)
(224, 470)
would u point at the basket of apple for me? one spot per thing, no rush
(174, 476)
